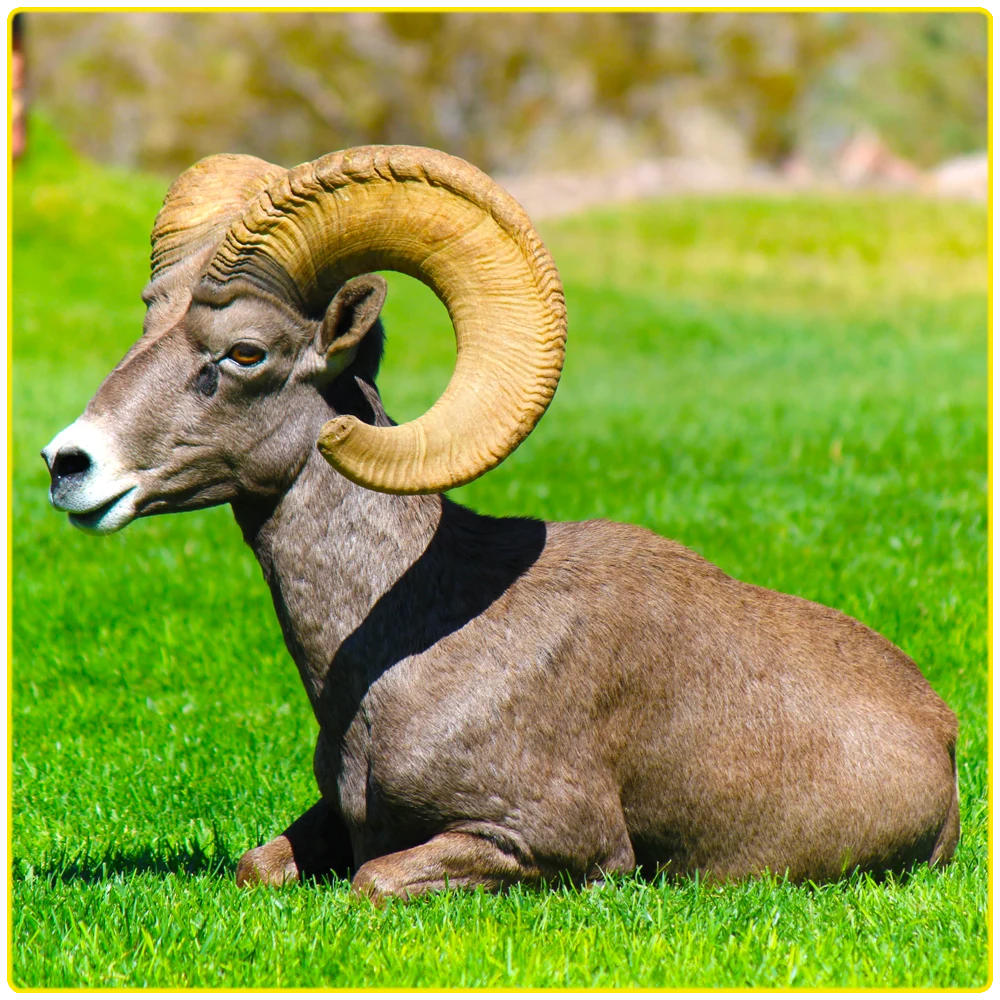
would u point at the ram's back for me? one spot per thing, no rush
(744, 728)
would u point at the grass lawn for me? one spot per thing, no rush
(795, 388)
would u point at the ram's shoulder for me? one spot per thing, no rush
(618, 541)
(623, 552)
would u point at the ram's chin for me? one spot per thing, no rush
(109, 517)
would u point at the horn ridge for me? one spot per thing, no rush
(203, 203)
(443, 221)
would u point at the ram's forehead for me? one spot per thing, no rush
(166, 305)
(168, 294)
(173, 307)
(247, 315)
(164, 311)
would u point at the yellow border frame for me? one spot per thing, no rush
(487, 9)
(445, 8)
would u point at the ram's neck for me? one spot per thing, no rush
(330, 551)
(363, 581)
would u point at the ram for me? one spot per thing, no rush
(499, 700)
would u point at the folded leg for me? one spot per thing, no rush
(449, 860)
(316, 844)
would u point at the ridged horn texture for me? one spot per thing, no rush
(441, 220)
(203, 203)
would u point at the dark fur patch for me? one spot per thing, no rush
(207, 380)
(354, 391)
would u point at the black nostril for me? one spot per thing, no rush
(70, 463)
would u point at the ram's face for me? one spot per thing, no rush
(204, 409)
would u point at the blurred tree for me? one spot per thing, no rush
(920, 80)
(509, 91)
(18, 111)
(760, 70)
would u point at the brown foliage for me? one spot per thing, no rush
(509, 91)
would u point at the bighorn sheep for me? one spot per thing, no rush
(499, 700)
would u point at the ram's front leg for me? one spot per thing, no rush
(450, 860)
(316, 844)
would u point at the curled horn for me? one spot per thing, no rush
(203, 203)
(438, 219)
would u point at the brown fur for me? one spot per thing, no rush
(506, 700)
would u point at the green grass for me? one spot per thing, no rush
(794, 388)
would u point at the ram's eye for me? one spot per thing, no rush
(246, 354)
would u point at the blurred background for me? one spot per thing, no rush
(651, 102)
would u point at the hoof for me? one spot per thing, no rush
(370, 885)
(272, 864)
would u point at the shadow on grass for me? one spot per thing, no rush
(92, 867)
(192, 859)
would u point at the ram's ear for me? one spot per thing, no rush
(350, 315)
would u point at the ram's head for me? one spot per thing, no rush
(261, 298)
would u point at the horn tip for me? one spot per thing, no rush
(334, 432)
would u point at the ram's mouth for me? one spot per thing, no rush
(109, 516)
